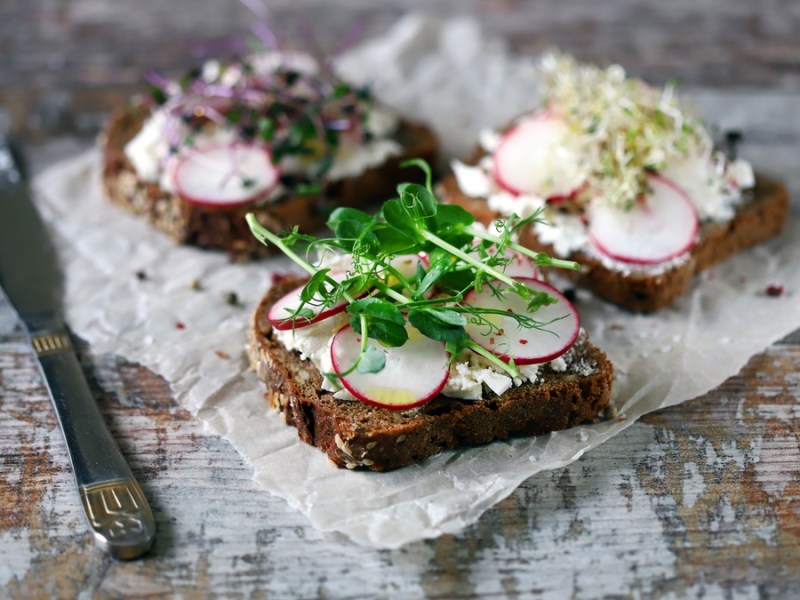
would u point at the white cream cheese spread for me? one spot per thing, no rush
(468, 373)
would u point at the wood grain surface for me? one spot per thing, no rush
(700, 500)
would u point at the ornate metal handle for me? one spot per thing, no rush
(115, 506)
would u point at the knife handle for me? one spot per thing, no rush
(115, 506)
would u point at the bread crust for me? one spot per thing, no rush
(224, 228)
(761, 217)
(355, 435)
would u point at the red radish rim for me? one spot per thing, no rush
(255, 197)
(561, 298)
(286, 323)
(362, 398)
(536, 271)
(568, 197)
(692, 237)
(543, 115)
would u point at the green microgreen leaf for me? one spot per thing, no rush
(449, 216)
(188, 78)
(352, 228)
(393, 241)
(418, 200)
(371, 361)
(266, 129)
(302, 131)
(397, 216)
(315, 286)
(439, 324)
(233, 115)
(303, 312)
(307, 189)
(440, 264)
(340, 90)
(386, 322)
(349, 214)
(159, 96)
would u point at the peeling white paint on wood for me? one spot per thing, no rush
(699, 500)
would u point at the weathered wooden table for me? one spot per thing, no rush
(699, 500)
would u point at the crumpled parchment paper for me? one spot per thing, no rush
(449, 74)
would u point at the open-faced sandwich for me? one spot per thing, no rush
(419, 330)
(628, 180)
(276, 134)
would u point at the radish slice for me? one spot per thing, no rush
(519, 265)
(279, 313)
(225, 174)
(535, 158)
(662, 227)
(508, 340)
(563, 198)
(406, 264)
(414, 372)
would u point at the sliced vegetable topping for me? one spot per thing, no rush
(304, 306)
(536, 157)
(225, 174)
(503, 333)
(413, 373)
(519, 265)
(660, 226)
(416, 262)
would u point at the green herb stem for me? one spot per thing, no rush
(391, 293)
(495, 360)
(436, 301)
(541, 258)
(457, 252)
(262, 233)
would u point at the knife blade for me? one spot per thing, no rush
(115, 506)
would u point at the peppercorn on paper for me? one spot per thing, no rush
(186, 315)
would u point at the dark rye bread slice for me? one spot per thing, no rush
(224, 228)
(358, 436)
(761, 216)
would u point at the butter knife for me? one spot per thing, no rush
(116, 509)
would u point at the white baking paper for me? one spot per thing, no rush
(448, 74)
